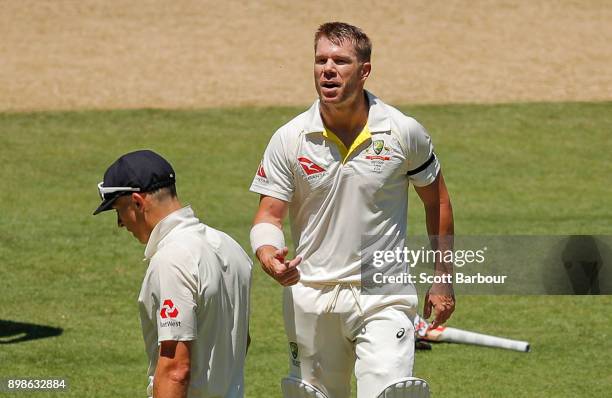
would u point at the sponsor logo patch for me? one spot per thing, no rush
(260, 171)
(309, 166)
(261, 176)
(168, 310)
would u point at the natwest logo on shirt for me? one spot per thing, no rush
(309, 166)
(168, 310)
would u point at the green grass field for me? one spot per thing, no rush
(511, 169)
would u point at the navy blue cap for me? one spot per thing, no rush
(139, 171)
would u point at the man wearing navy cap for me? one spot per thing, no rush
(194, 299)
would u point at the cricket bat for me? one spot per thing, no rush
(453, 335)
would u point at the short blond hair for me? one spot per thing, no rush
(340, 32)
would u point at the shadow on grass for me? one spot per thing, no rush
(18, 332)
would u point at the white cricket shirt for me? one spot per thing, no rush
(335, 201)
(196, 288)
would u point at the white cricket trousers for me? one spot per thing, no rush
(332, 329)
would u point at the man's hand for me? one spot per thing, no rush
(274, 264)
(441, 298)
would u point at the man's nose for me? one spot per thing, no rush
(329, 67)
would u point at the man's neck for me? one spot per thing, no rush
(161, 211)
(346, 120)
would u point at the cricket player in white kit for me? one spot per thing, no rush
(194, 299)
(342, 170)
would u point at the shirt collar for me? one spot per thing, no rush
(378, 119)
(178, 219)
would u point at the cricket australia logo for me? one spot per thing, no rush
(378, 146)
(293, 347)
(378, 154)
(381, 152)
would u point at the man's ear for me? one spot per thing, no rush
(138, 200)
(366, 68)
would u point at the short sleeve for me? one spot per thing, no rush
(274, 176)
(423, 163)
(176, 315)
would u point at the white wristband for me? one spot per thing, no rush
(266, 234)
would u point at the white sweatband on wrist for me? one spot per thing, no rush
(266, 234)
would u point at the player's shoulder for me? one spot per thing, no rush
(225, 246)
(199, 253)
(400, 121)
(181, 252)
(405, 128)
